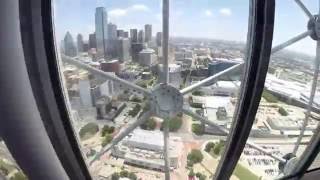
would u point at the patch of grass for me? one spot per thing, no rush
(269, 97)
(244, 174)
(88, 129)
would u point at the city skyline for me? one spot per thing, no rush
(221, 16)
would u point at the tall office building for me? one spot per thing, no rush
(101, 25)
(148, 32)
(141, 36)
(69, 46)
(112, 41)
(80, 43)
(112, 31)
(120, 33)
(92, 41)
(134, 35)
(123, 49)
(126, 34)
(159, 39)
(135, 50)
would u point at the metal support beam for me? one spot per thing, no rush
(166, 150)
(268, 153)
(304, 9)
(311, 98)
(210, 79)
(165, 39)
(122, 135)
(103, 74)
(291, 41)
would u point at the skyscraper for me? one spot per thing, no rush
(159, 39)
(120, 33)
(135, 50)
(80, 43)
(141, 36)
(112, 41)
(112, 31)
(148, 32)
(101, 25)
(126, 34)
(123, 49)
(69, 46)
(92, 41)
(134, 35)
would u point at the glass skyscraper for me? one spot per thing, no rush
(101, 24)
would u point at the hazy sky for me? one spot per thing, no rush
(218, 19)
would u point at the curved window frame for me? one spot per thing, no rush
(37, 31)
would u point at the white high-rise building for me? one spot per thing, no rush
(85, 93)
(101, 25)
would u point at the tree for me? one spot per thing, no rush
(124, 173)
(136, 99)
(135, 110)
(195, 156)
(218, 148)
(269, 97)
(18, 176)
(115, 176)
(209, 146)
(174, 124)
(282, 111)
(191, 173)
(132, 176)
(197, 129)
(198, 93)
(106, 140)
(201, 176)
(107, 130)
(4, 170)
(90, 128)
(150, 124)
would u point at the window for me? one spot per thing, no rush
(284, 124)
(158, 83)
(114, 50)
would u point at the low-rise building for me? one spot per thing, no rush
(145, 149)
